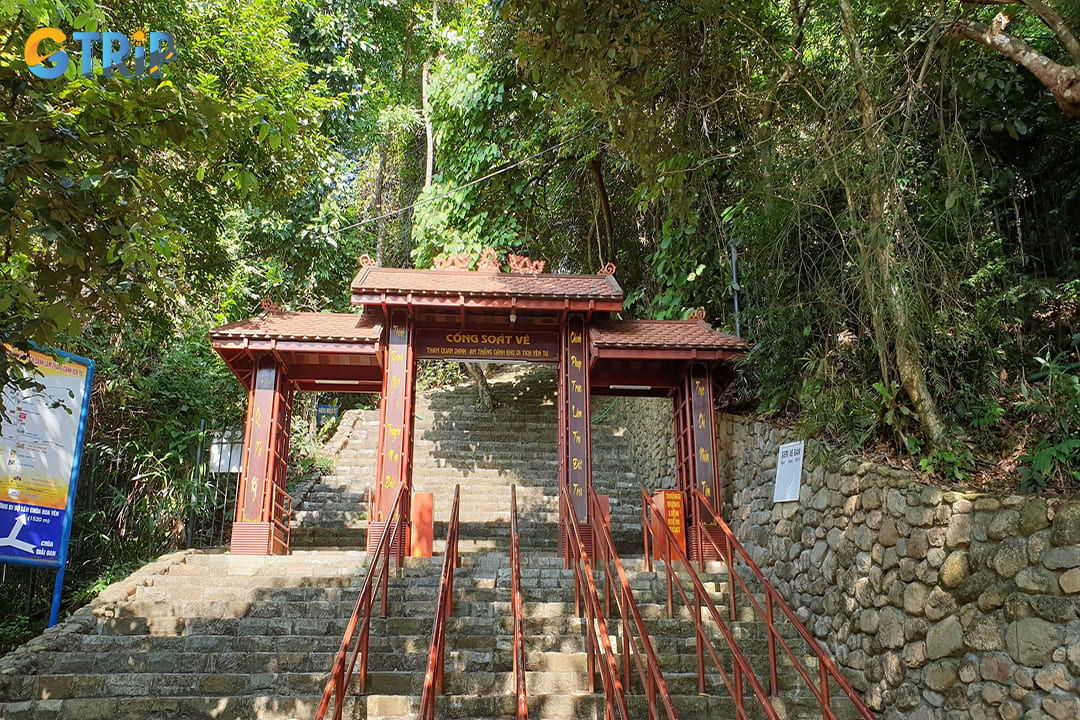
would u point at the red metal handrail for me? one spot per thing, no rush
(518, 611)
(444, 609)
(826, 668)
(342, 670)
(740, 666)
(596, 627)
(278, 507)
(650, 675)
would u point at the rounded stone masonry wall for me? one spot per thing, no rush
(936, 605)
(650, 430)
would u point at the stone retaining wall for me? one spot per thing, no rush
(649, 424)
(936, 604)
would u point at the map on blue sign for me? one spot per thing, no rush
(40, 446)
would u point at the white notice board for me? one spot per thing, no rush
(788, 472)
(226, 451)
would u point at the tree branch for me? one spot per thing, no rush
(1063, 82)
(1055, 22)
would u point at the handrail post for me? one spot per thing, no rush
(339, 687)
(823, 671)
(364, 647)
(770, 626)
(607, 580)
(731, 581)
(699, 636)
(520, 694)
(737, 681)
(577, 592)
(592, 647)
(668, 577)
(385, 582)
(646, 532)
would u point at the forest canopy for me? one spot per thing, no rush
(889, 191)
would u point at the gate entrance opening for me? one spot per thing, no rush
(453, 313)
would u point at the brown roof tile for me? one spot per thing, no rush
(663, 333)
(493, 284)
(336, 327)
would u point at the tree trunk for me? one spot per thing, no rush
(429, 131)
(484, 402)
(380, 224)
(596, 165)
(425, 103)
(877, 250)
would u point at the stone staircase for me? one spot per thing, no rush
(211, 635)
(332, 511)
(201, 635)
(485, 453)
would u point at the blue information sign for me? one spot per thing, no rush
(41, 443)
(324, 412)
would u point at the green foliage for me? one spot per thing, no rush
(137, 214)
(485, 119)
(113, 188)
(1052, 400)
(438, 374)
(107, 577)
(14, 629)
(740, 125)
(954, 464)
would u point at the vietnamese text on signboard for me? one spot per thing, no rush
(528, 346)
(788, 472)
(40, 445)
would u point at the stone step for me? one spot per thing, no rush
(468, 673)
(564, 706)
(384, 707)
(247, 707)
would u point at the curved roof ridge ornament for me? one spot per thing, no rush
(698, 314)
(451, 262)
(269, 305)
(522, 264)
(489, 260)
(366, 261)
(608, 269)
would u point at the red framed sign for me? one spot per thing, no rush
(528, 345)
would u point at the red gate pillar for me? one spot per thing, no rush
(695, 429)
(266, 450)
(394, 466)
(575, 442)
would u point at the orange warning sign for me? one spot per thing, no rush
(670, 502)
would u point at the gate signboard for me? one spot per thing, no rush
(40, 449)
(529, 345)
(577, 418)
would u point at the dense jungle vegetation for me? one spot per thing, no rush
(897, 183)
